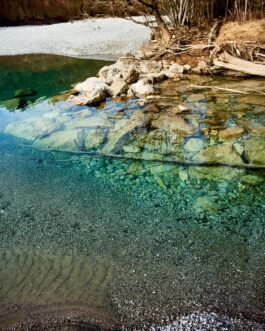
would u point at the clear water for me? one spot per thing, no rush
(127, 242)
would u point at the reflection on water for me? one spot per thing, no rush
(128, 240)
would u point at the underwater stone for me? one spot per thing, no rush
(206, 203)
(173, 124)
(94, 138)
(27, 92)
(252, 180)
(194, 145)
(33, 128)
(215, 173)
(120, 133)
(12, 104)
(255, 150)
(222, 153)
(231, 133)
(68, 140)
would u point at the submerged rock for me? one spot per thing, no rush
(120, 133)
(94, 138)
(252, 180)
(255, 150)
(33, 128)
(206, 203)
(68, 140)
(12, 104)
(231, 133)
(222, 153)
(27, 92)
(173, 124)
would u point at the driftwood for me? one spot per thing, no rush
(230, 62)
(136, 158)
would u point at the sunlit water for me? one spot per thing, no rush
(129, 242)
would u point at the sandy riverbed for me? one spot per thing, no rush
(91, 38)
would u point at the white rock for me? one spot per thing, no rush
(91, 85)
(174, 70)
(141, 88)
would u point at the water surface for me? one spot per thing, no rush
(127, 241)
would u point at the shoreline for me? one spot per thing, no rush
(104, 39)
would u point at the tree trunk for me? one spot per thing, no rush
(230, 62)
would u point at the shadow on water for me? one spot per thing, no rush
(89, 241)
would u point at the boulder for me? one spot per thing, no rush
(142, 87)
(120, 134)
(131, 76)
(252, 180)
(193, 146)
(117, 88)
(173, 124)
(215, 173)
(88, 122)
(65, 140)
(174, 70)
(94, 138)
(147, 67)
(206, 203)
(12, 104)
(255, 150)
(222, 153)
(92, 91)
(33, 128)
(230, 133)
(154, 77)
(27, 92)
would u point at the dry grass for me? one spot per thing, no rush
(253, 31)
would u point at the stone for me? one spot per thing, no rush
(183, 175)
(92, 91)
(180, 109)
(27, 92)
(154, 77)
(131, 76)
(65, 140)
(196, 98)
(206, 203)
(135, 167)
(258, 130)
(148, 67)
(131, 149)
(173, 123)
(238, 148)
(252, 180)
(141, 88)
(216, 173)
(255, 150)
(12, 104)
(174, 70)
(117, 88)
(33, 128)
(94, 138)
(231, 133)
(120, 134)
(193, 146)
(89, 122)
(219, 154)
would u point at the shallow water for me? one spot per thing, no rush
(132, 242)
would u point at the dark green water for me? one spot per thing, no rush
(112, 241)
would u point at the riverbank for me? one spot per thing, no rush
(106, 39)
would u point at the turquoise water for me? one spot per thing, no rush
(128, 242)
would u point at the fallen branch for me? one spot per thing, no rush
(162, 161)
(230, 62)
